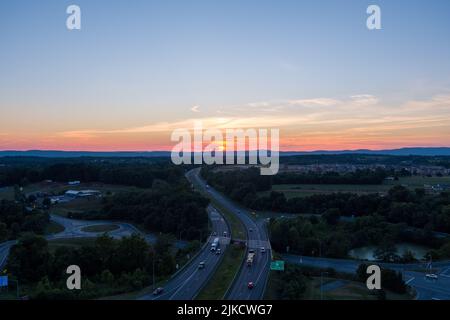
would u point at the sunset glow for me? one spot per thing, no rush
(231, 65)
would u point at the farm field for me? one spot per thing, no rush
(55, 188)
(304, 190)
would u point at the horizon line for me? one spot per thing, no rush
(284, 151)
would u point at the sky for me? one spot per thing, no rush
(137, 70)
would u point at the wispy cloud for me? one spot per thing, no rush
(195, 109)
(358, 120)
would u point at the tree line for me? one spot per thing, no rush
(15, 219)
(401, 205)
(108, 266)
(126, 172)
(166, 208)
(321, 236)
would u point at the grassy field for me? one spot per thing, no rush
(7, 193)
(59, 188)
(53, 227)
(101, 228)
(351, 290)
(80, 205)
(304, 190)
(73, 243)
(348, 290)
(55, 188)
(221, 280)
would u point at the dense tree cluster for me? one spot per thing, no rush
(169, 210)
(130, 172)
(401, 205)
(291, 284)
(109, 266)
(166, 205)
(165, 208)
(14, 219)
(315, 236)
(357, 177)
(367, 159)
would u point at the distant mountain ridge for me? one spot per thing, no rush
(419, 151)
(77, 154)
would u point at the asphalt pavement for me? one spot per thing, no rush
(257, 238)
(187, 284)
(425, 289)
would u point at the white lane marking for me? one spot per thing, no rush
(407, 282)
(443, 272)
(183, 284)
(208, 258)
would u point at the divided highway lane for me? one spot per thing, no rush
(257, 238)
(4, 251)
(186, 284)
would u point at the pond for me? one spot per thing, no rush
(367, 253)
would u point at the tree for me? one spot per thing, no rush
(408, 256)
(386, 252)
(47, 202)
(29, 258)
(332, 216)
(3, 232)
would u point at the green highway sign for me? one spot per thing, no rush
(277, 265)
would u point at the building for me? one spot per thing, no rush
(82, 193)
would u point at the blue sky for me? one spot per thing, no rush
(136, 64)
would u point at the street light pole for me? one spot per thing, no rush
(153, 282)
(321, 284)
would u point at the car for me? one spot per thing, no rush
(218, 251)
(201, 265)
(158, 291)
(263, 250)
(431, 276)
(250, 285)
(225, 234)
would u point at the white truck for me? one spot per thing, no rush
(250, 257)
(215, 244)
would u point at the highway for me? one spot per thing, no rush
(257, 238)
(425, 289)
(186, 284)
